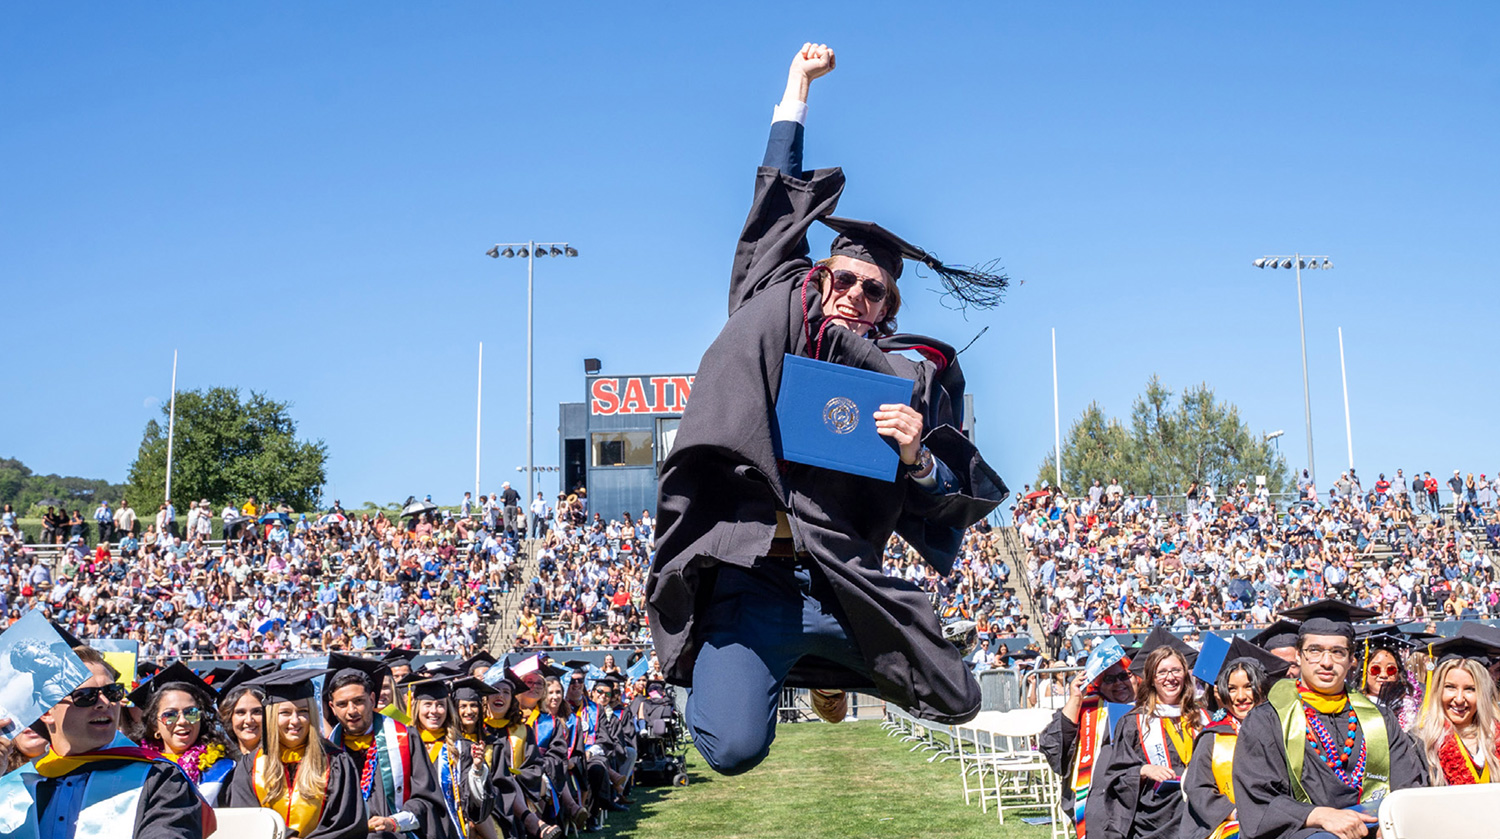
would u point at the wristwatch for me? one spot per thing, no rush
(924, 465)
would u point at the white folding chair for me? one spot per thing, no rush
(248, 823)
(1471, 811)
(1023, 780)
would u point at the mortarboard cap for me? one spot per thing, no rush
(470, 689)
(1281, 634)
(1159, 637)
(240, 676)
(341, 665)
(1385, 636)
(177, 676)
(477, 660)
(399, 657)
(425, 686)
(866, 241)
(1328, 617)
(287, 685)
(1276, 668)
(1463, 646)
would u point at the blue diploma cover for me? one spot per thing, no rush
(826, 416)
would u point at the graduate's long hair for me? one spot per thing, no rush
(1432, 726)
(312, 772)
(1145, 698)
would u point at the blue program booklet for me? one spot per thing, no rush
(825, 416)
(37, 669)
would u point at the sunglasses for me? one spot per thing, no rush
(1388, 670)
(1115, 679)
(89, 697)
(191, 716)
(875, 290)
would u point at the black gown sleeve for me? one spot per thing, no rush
(1262, 789)
(424, 799)
(1117, 786)
(239, 788)
(1207, 808)
(170, 806)
(344, 815)
(1058, 744)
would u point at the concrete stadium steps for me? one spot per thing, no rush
(1015, 557)
(502, 634)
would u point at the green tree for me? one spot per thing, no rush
(24, 489)
(1169, 444)
(227, 449)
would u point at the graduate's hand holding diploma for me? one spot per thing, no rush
(1345, 824)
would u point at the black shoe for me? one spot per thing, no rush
(595, 824)
(615, 807)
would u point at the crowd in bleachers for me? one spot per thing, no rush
(1114, 560)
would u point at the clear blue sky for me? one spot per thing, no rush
(298, 197)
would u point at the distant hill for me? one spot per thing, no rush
(23, 489)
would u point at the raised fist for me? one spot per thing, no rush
(813, 61)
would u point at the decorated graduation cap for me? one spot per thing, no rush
(1328, 617)
(866, 241)
(1160, 637)
(538, 663)
(214, 676)
(176, 677)
(1279, 635)
(288, 685)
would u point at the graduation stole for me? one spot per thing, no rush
(516, 738)
(1223, 766)
(393, 741)
(51, 765)
(588, 715)
(1458, 763)
(299, 813)
(1093, 727)
(449, 781)
(1288, 703)
(1154, 739)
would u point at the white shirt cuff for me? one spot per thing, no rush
(406, 821)
(790, 111)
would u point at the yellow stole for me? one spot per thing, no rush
(434, 743)
(300, 813)
(1223, 766)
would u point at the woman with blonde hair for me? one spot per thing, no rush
(295, 772)
(1458, 725)
(1153, 744)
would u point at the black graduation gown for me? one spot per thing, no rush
(474, 784)
(1207, 808)
(559, 758)
(1263, 792)
(722, 484)
(1059, 745)
(169, 806)
(516, 775)
(1129, 808)
(424, 801)
(343, 816)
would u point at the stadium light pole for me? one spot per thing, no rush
(530, 251)
(1298, 261)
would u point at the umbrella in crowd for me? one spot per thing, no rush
(274, 516)
(416, 508)
(332, 518)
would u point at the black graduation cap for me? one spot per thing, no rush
(1282, 633)
(1275, 668)
(1384, 636)
(1464, 646)
(477, 660)
(579, 667)
(1328, 617)
(240, 676)
(177, 676)
(1159, 637)
(214, 676)
(470, 689)
(288, 685)
(339, 665)
(425, 686)
(68, 637)
(866, 241)
(398, 657)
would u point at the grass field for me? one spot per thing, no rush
(849, 780)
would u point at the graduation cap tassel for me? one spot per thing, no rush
(980, 286)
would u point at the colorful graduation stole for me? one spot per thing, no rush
(393, 741)
(1375, 778)
(449, 782)
(299, 813)
(1458, 764)
(1223, 766)
(1093, 727)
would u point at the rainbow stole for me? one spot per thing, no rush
(1223, 766)
(1093, 726)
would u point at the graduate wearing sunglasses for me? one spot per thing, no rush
(767, 573)
(181, 726)
(94, 781)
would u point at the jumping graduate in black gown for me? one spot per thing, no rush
(1318, 749)
(1141, 786)
(767, 573)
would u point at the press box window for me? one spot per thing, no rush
(622, 448)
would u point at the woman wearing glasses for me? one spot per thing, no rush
(311, 785)
(767, 573)
(1152, 745)
(181, 726)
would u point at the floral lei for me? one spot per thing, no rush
(1453, 757)
(195, 761)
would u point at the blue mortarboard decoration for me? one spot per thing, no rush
(1105, 655)
(1211, 654)
(639, 669)
(37, 669)
(825, 416)
(1117, 711)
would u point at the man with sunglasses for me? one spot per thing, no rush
(1086, 708)
(93, 775)
(767, 573)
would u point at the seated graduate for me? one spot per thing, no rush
(242, 711)
(396, 778)
(767, 573)
(1383, 674)
(1141, 785)
(524, 799)
(555, 728)
(294, 771)
(181, 725)
(93, 776)
(1280, 639)
(1242, 682)
(462, 771)
(623, 735)
(1075, 740)
(1459, 725)
(1305, 760)
(596, 743)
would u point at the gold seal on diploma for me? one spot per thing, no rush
(841, 415)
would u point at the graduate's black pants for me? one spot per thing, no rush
(759, 623)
